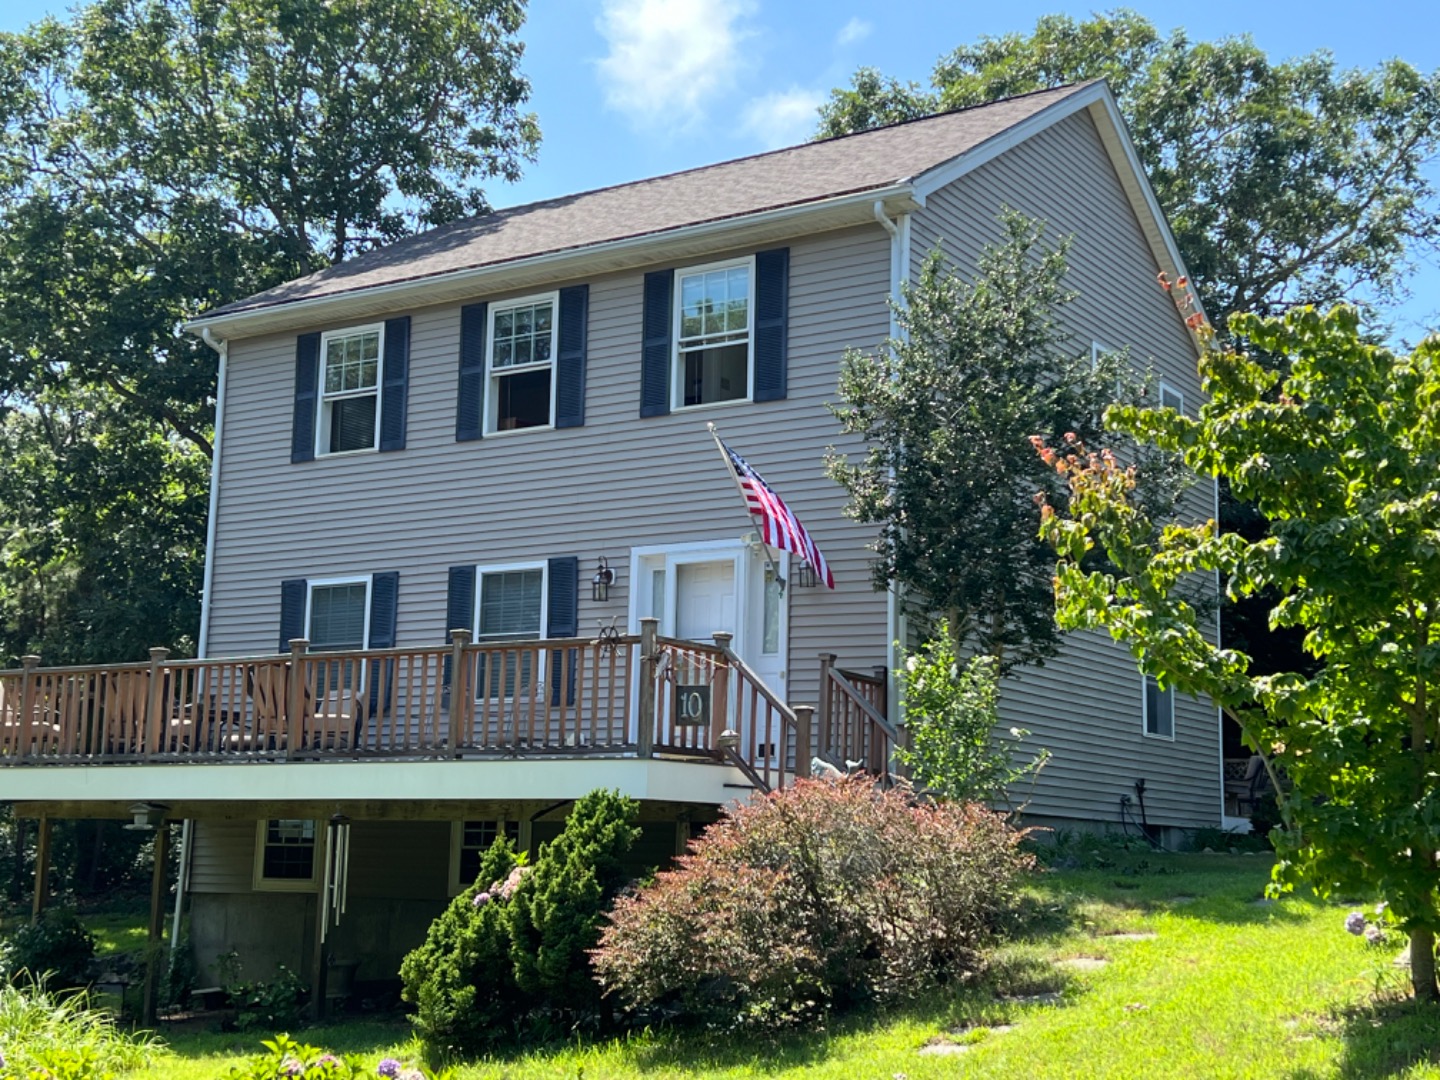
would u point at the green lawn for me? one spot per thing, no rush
(1227, 987)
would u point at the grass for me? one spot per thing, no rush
(1226, 987)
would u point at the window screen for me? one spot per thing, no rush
(337, 616)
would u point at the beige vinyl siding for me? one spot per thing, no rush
(617, 482)
(1086, 706)
(222, 858)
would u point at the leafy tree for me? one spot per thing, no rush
(946, 408)
(162, 157)
(1282, 180)
(1342, 453)
(952, 719)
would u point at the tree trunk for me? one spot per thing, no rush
(1422, 966)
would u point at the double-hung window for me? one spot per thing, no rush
(285, 855)
(521, 364)
(1159, 709)
(510, 606)
(713, 338)
(338, 620)
(351, 366)
(469, 843)
(1170, 398)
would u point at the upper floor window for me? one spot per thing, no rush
(713, 333)
(338, 613)
(1170, 398)
(349, 390)
(1159, 709)
(521, 364)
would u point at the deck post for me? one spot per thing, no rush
(295, 697)
(804, 722)
(27, 704)
(462, 702)
(720, 691)
(827, 664)
(154, 954)
(645, 694)
(42, 870)
(154, 722)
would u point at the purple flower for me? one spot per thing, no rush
(292, 1067)
(412, 1074)
(389, 1067)
(481, 899)
(1374, 935)
(1355, 922)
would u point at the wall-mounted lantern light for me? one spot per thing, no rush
(804, 576)
(601, 582)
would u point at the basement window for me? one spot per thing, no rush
(470, 841)
(285, 855)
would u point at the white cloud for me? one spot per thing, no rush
(857, 29)
(783, 118)
(668, 59)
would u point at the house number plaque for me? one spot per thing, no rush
(692, 705)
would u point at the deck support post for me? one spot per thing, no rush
(155, 955)
(319, 955)
(462, 701)
(295, 696)
(645, 697)
(804, 723)
(42, 869)
(154, 722)
(720, 692)
(827, 664)
(27, 705)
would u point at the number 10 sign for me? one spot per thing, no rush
(692, 705)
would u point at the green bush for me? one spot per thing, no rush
(259, 1004)
(510, 953)
(57, 948)
(820, 897)
(63, 1037)
(286, 1059)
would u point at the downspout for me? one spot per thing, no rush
(895, 629)
(221, 347)
(182, 876)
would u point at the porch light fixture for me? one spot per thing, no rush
(601, 582)
(729, 739)
(148, 816)
(804, 576)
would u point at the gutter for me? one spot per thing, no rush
(222, 347)
(626, 252)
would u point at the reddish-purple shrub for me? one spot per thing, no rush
(821, 896)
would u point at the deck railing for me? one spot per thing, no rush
(854, 729)
(561, 697)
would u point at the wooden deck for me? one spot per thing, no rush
(640, 695)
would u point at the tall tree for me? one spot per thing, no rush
(160, 157)
(946, 409)
(1283, 180)
(1342, 453)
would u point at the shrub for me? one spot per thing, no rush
(56, 947)
(45, 1035)
(461, 980)
(260, 1004)
(953, 716)
(512, 951)
(819, 897)
(286, 1059)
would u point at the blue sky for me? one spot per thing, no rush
(631, 88)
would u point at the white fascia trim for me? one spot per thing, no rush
(207, 587)
(900, 196)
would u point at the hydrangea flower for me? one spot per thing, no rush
(292, 1067)
(412, 1074)
(481, 899)
(389, 1068)
(1374, 935)
(1355, 922)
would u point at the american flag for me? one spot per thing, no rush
(779, 528)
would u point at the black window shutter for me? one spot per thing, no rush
(384, 594)
(772, 323)
(307, 384)
(470, 401)
(293, 595)
(570, 357)
(655, 355)
(395, 392)
(459, 606)
(563, 621)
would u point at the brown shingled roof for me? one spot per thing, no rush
(731, 189)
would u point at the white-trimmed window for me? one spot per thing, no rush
(714, 318)
(1170, 398)
(1159, 709)
(286, 857)
(520, 364)
(351, 366)
(337, 614)
(1097, 350)
(510, 605)
(469, 840)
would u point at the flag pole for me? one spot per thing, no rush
(760, 528)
